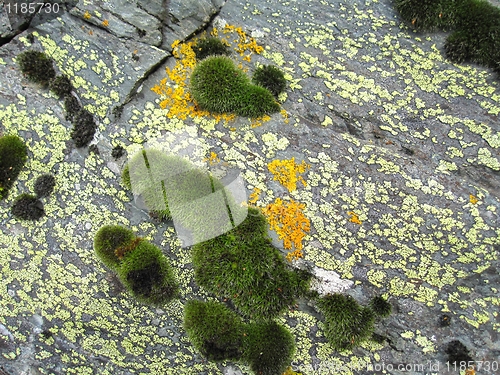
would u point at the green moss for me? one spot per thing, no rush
(210, 46)
(147, 275)
(218, 86)
(244, 266)
(84, 128)
(71, 106)
(61, 86)
(380, 306)
(27, 207)
(214, 330)
(107, 239)
(269, 348)
(13, 156)
(36, 66)
(271, 78)
(44, 185)
(426, 15)
(347, 324)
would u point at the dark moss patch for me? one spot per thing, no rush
(44, 185)
(36, 66)
(210, 46)
(214, 330)
(94, 149)
(71, 106)
(13, 156)
(117, 152)
(84, 128)
(27, 207)
(218, 86)
(380, 306)
(269, 348)
(245, 267)
(61, 86)
(347, 324)
(444, 320)
(457, 352)
(271, 78)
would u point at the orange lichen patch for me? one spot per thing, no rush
(87, 15)
(254, 196)
(289, 222)
(473, 199)
(245, 43)
(212, 159)
(284, 113)
(120, 251)
(287, 172)
(105, 23)
(354, 218)
(259, 121)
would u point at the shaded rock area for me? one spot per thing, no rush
(393, 133)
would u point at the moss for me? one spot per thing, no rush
(147, 275)
(244, 266)
(61, 86)
(84, 128)
(107, 239)
(36, 66)
(210, 46)
(13, 156)
(444, 320)
(347, 324)
(457, 352)
(271, 78)
(218, 86)
(71, 106)
(430, 14)
(27, 207)
(117, 152)
(214, 330)
(44, 185)
(269, 348)
(380, 306)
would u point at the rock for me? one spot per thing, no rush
(329, 282)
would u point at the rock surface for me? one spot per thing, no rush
(403, 190)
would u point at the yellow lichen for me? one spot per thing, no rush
(354, 218)
(287, 172)
(254, 196)
(212, 159)
(288, 221)
(473, 199)
(87, 15)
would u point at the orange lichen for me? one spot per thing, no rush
(284, 113)
(259, 121)
(254, 196)
(287, 172)
(289, 222)
(105, 23)
(87, 15)
(473, 199)
(212, 159)
(354, 218)
(245, 43)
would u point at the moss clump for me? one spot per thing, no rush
(218, 86)
(271, 78)
(269, 348)
(147, 274)
(36, 66)
(457, 352)
(426, 15)
(13, 156)
(380, 306)
(44, 185)
(117, 152)
(71, 106)
(214, 330)
(84, 128)
(347, 324)
(210, 46)
(109, 238)
(61, 86)
(244, 266)
(27, 207)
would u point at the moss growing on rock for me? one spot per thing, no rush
(218, 86)
(347, 324)
(244, 266)
(71, 106)
(109, 238)
(210, 46)
(44, 185)
(36, 66)
(84, 128)
(214, 330)
(271, 78)
(425, 15)
(61, 86)
(380, 306)
(13, 156)
(269, 348)
(27, 207)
